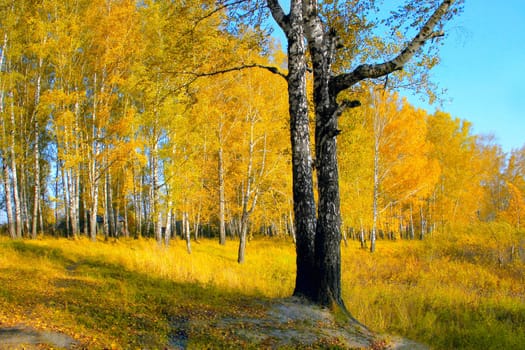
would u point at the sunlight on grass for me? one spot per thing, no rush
(269, 269)
(419, 290)
(457, 291)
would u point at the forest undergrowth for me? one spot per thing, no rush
(461, 290)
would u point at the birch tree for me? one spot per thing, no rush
(4, 155)
(318, 238)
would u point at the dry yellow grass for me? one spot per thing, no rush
(269, 268)
(450, 291)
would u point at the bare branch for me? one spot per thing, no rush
(271, 69)
(439, 34)
(212, 12)
(194, 76)
(278, 15)
(366, 71)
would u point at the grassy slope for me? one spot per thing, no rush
(449, 292)
(131, 294)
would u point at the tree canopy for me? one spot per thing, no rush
(125, 118)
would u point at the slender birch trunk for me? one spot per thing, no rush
(362, 238)
(75, 203)
(423, 223)
(67, 198)
(251, 190)
(126, 222)
(5, 169)
(146, 210)
(378, 131)
(197, 223)
(36, 150)
(14, 174)
(106, 207)
(8, 202)
(137, 202)
(36, 188)
(411, 223)
(157, 225)
(246, 194)
(24, 195)
(93, 174)
(222, 196)
(169, 219)
(186, 230)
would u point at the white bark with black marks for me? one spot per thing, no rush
(320, 237)
(303, 193)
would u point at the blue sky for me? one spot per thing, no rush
(483, 70)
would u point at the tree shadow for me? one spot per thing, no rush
(111, 304)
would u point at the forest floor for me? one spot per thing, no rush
(45, 306)
(462, 292)
(289, 323)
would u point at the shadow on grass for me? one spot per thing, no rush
(113, 305)
(110, 304)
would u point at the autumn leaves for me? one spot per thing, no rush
(100, 116)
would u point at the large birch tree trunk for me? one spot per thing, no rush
(328, 233)
(321, 282)
(303, 193)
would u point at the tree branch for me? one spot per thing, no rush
(195, 76)
(215, 10)
(345, 104)
(271, 69)
(366, 71)
(278, 15)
